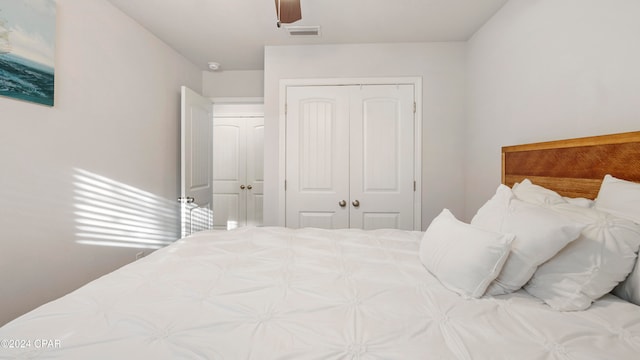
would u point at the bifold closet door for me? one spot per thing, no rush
(238, 171)
(255, 171)
(382, 157)
(317, 157)
(350, 156)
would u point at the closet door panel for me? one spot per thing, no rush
(229, 173)
(380, 220)
(317, 151)
(380, 145)
(255, 170)
(227, 210)
(382, 156)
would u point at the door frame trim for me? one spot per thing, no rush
(416, 81)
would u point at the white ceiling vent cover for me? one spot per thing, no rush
(303, 30)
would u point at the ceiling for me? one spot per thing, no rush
(234, 32)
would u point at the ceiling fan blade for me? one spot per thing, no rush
(288, 11)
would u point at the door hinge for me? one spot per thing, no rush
(285, 185)
(414, 107)
(285, 108)
(414, 185)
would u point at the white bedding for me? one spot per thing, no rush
(275, 293)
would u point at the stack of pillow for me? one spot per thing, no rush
(567, 252)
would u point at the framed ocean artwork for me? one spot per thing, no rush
(27, 48)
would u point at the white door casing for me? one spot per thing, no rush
(196, 162)
(362, 136)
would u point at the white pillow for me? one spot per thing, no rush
(619, 197)
(629, 289)
(465, 259)
(622, 198)
(591, 266)
(580, 201)
(540, 234)
(539, 195)
(536, 194)
(494, 210)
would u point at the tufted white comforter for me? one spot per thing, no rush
(275, 293)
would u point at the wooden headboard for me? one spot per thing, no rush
(574, 167)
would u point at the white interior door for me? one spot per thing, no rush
(317, 153)
(382, 157)
(196, 162)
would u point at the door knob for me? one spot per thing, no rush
(249, 187)
(342, 203)
(241, 187)
(356, 203)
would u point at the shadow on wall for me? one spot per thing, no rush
(110, 213)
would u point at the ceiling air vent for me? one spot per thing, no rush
(303, 30)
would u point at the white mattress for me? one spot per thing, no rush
(275, 293)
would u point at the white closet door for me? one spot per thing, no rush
(238, 165)
(229, 164)
(317, 153)
(382, 157)
(255, 170)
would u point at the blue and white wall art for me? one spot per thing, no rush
(27, 48)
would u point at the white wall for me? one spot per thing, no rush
(442, 68)
(116, 115)
(234, 83)
(547, 70)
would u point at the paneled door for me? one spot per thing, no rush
(350, 156)
(317, 164)
(382, 157)
(238, 165)
(195, 162)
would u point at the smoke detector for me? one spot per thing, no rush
(214, 66)
(303, 30)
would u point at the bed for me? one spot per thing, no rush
(278, 293)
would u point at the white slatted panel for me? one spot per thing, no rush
(317, 157)
(316, 135)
